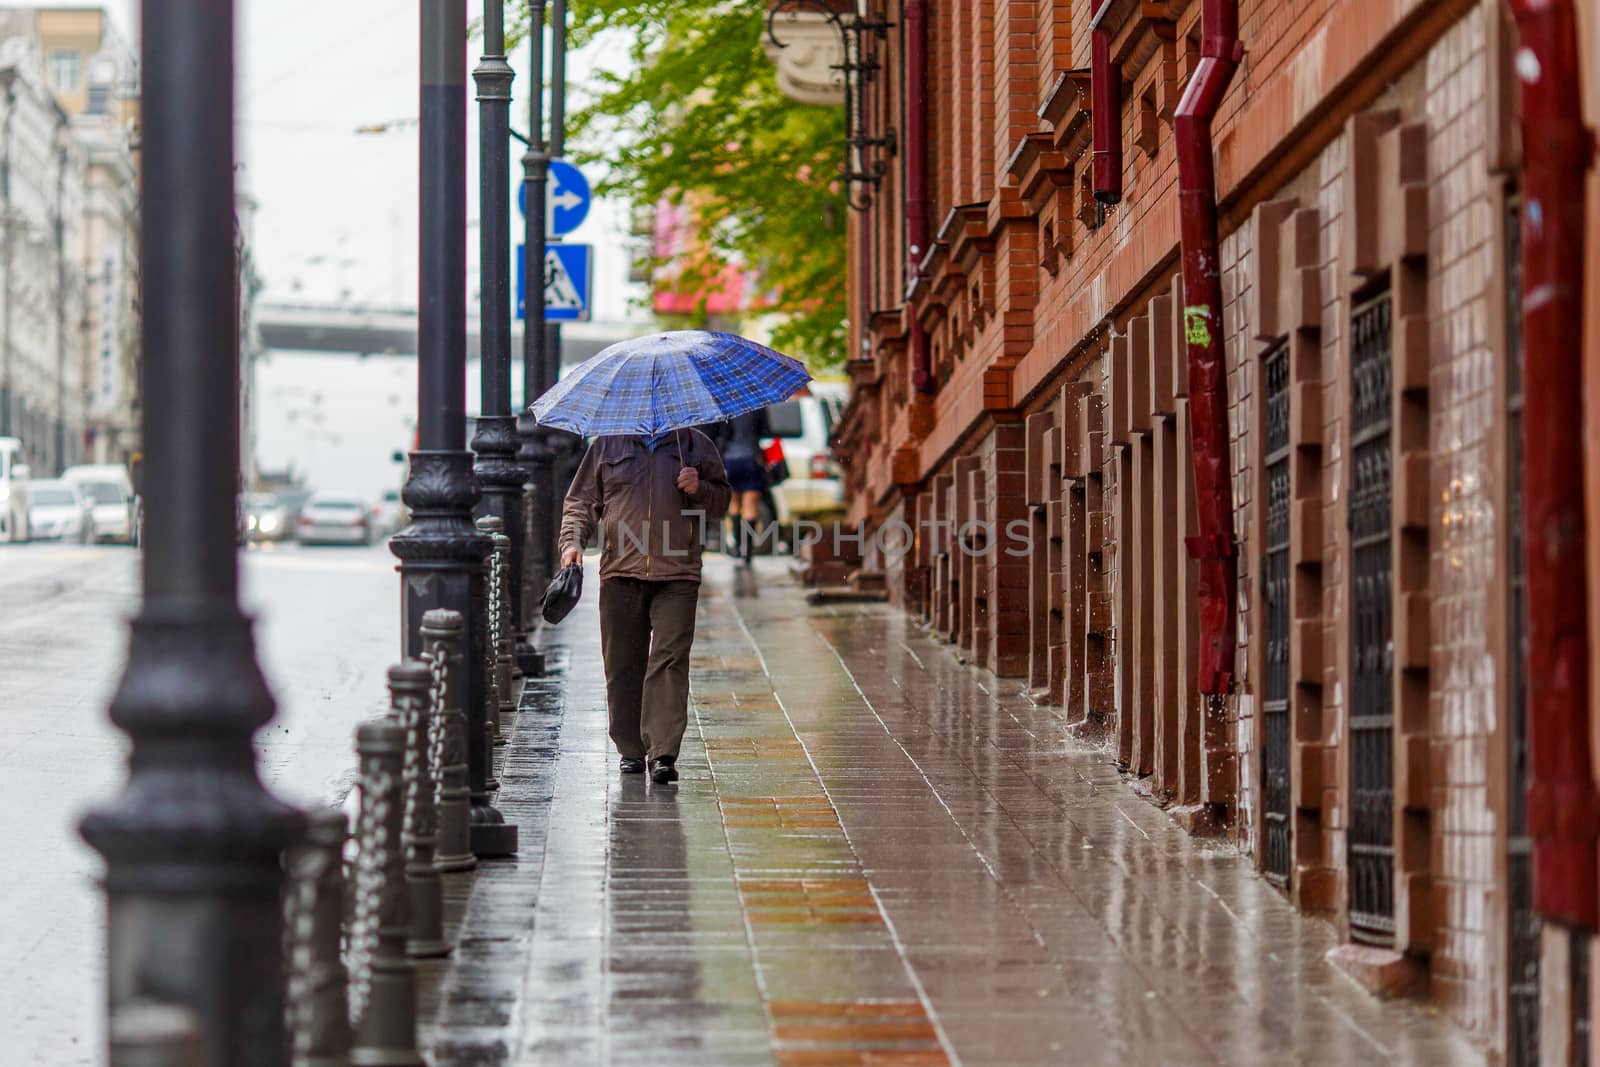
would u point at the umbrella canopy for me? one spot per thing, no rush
(665, 381)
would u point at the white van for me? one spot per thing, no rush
(110, 492)
(803, 425)
(13, 492)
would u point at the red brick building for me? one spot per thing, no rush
(1310, 502)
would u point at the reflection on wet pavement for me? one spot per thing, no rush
(876, 856)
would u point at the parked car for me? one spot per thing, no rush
(391, 513)
(110, 493)
(267, 518)
(14, 524)
(58, 511)
(330, 521)
(803, 426)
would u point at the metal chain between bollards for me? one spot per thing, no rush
(506, 653)
(377, 785)
(318, 1015)
(436, 720)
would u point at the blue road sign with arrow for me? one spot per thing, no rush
(567, 198)
(568, 278)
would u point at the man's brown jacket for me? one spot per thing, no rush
(649, 528)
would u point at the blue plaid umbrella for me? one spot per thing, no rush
(665, 381)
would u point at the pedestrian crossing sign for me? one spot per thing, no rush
(568, 274)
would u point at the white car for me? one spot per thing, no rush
(57, 511)
(110, 493)
(803, 425)
(327, 521)
(391, 513)
(13, 491)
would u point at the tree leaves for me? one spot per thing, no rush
(697, 119)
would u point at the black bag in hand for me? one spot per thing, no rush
(562, 594)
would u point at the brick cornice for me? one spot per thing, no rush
(889, 324)
(963, 225)
(1137, 36)
(1065, 112)
(1118, 16)
(864, 375)
(1037, 169)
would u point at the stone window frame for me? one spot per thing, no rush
(1385, 241)
(1287, 316)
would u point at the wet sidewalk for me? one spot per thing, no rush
(876, 856)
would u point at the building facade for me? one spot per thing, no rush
(41, 280)
(69, 269)
(93, 73)
(1191, 391)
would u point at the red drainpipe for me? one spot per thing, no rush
(1105, 87)
(1214, 547)
(1557, 149)
(916, 30)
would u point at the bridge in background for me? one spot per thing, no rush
(376, 330)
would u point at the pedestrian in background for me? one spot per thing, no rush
(739, 439)
(648, 498)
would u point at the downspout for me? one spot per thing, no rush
(1214, 546)
(1557, 148)
(866, 217)
(1106, 113)
(916, 207)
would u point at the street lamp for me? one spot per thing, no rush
(194, 844)
(441, 552)
(496, 439)
(535, 454)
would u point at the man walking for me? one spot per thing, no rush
(648, 497)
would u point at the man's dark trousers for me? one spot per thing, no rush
(646, 632)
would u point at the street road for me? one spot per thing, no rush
(327, 629)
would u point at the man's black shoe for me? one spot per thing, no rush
(662, 770)
(631, 764)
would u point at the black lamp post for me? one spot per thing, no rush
(535, 454)
(566, 449)
(496, 440)
(193, 846)
(441, 553)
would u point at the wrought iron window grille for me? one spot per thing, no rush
(1371, 833)
(862, 33)
(1277, 733)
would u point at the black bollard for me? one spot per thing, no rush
(319, 1019)
(505, 648)
(383, 991)
(488, 611)
(410, 690)
(442, 652)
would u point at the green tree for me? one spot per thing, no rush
(699, 120)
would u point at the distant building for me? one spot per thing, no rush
(249, 282)
(41, 277)
(93, 73)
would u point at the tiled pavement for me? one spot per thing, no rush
(877, 856)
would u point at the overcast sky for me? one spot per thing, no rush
(338, 212)
(338, 217)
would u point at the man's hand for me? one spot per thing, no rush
(571, 556)
(689, 480)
